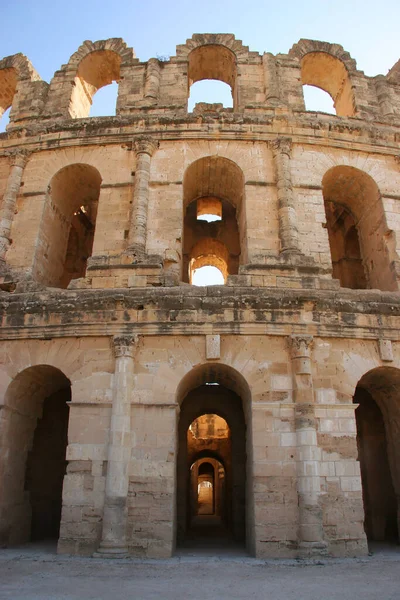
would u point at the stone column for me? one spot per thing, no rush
(288, 233)
(9, 203)
(272, 92)
(145, 148)
(113, 540)
(153, 76)
(311, 540)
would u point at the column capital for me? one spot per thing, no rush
(18, 158)
(124, 345)
(145, 145)
(300, 345)
(281, 145)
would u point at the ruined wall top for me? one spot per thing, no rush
(260, 83)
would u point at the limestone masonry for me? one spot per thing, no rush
(139, 411)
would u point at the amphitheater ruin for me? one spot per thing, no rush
(137, 408)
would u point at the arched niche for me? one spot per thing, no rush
(322, 70)
(32, 457)
(213, 61)
(378, 438)
(67, 227)
(96, 70)
(356, 225)
(218, 183)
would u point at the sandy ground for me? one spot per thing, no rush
(36, 572)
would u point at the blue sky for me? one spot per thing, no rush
(49, 31)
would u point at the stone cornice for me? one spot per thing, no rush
(184, 311)
(381, 138)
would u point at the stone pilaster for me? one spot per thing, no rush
(272, 92)
(9, 203)
(311, 540)
(288, 233)
(113, 540)
(153, 76)
(383, 94)
(144, 148)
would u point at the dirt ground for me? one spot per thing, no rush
(37, 573)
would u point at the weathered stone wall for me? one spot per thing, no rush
(134, 343)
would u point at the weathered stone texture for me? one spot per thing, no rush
(101, 230)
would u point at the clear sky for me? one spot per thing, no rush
(49, 31)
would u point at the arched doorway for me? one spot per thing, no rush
(33, 450)
(213, 477)
(378, 440)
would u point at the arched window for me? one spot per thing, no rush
(104, 102)
(98, 69)
(356, 227)
(318, 100)
(328, 73)
(213, 191)
(8, 87)
(68, 223)
(212, 62)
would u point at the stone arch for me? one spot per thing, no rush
(328, 67)
(218, 389)
(92, 66)
(95, 65)
(14, 70)
(33, 432)
(378, 435)
(215, 56)
(226, 40)
(353, 200)
(70, 208)
(213, 178)
(209, 252)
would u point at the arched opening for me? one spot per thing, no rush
(208, 275)
(33, 450)
(328, 73)
(5, 119)
(378, 440)
(213, 62)
(213, 477)
(98, 69)
(357, 227)
(8, 88)
(104, 102)
(318, 100)
(214, 224)
(68, 224)
(210, 91)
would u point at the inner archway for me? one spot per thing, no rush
(32, 456)
(212, 469)
(214, 223)
(378, 440)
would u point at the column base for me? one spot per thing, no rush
(108, 551)
(312, 550)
